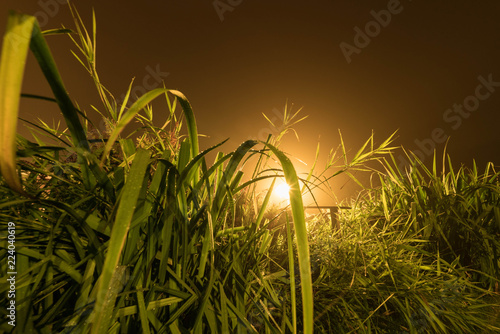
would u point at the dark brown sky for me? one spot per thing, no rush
(418, 68)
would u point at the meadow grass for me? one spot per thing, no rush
(118, 233)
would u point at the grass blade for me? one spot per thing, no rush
(190, 119)
(124, 214)
(301, 233)
(14, 54)
(48, 66)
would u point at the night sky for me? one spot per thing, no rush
(429, 69)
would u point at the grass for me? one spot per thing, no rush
(141, 233)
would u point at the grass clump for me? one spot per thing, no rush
(114, 234)
(419, 254)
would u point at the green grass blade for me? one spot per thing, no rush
(143, 313)
(223, 310)
(264, 205)
(301, 233)
(291, 269)
(124, 214)
(14, 53)
(190, 120)
(229, 171)
(48, 66)
(86, 286)
(23, 293)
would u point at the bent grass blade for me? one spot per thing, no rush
(301, 234)
(14, 53)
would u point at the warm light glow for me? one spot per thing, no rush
(281, 191)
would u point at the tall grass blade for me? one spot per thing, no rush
(301, 234)
(191, 127)
(48, 66)
(190, 119)
(126, 207)
(291, 266)
(14, 53)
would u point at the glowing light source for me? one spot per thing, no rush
(281, 191)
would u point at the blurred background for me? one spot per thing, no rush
(429, 70)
